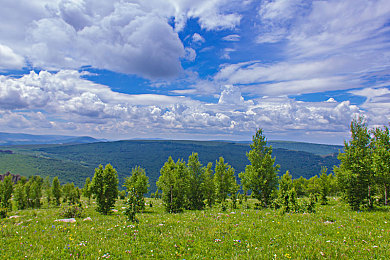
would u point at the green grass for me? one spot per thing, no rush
(332, 232)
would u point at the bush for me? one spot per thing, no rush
(3, 212)
(72, 212)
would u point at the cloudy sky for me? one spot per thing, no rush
(202, 70)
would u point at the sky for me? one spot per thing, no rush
(201, 70)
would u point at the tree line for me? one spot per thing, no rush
(362, 176)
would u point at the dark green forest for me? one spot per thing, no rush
(73, 163)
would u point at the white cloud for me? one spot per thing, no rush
(9, 59)
(232, 38)
(132, 37)
(377, 104)
(65, 102)
(190, 54)
(197, 38)
(231, 95)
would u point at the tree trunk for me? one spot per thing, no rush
(385, 195)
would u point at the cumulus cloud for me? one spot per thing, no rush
(9, 59)
(231, 95)
(376, 105)
(65, 102)
(132, 37)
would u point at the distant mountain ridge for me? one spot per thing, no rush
(27, 139)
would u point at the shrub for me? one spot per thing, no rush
(3, 212)
(72, 212)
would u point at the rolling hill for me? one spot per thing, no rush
(27, 139)
(78, 161)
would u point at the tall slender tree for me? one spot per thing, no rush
(324, 181)
(105, 187)
(355, 173)
(196, 179)
(6, 188)
(173, 182)
(56, 190)
(224, 180)
(138, 185)
(87, 189)
(381, 159)
(209, 185)
(260, 177)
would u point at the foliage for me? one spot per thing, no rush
(381, 159)
(260, 177)
(209, 185)
(73, 211)
(324, 181)
(74, 163)
(224, 180)
(87, 189)
(173, 184)
(138, 184)
(20, 195)
(47, 188)
(33, 191)
(287, 197)
(56, 190)
(3, 212)
(133, 204)
(105, 187)
(196, 174)
(6, 188)
(355, 174)
(71, 194)
(122, 194)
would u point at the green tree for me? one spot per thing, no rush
(209, 185)
(381, 159)
(324, 182)
(138, 184)
(70, 193)
(132, 204)
(56, 190)
(355, 174)
(287, 196)
(260, 177)
(20, 195)
(224, 179)
(105, 187)
(47, 189)
(196, 174)
(300, 186)
(173, 184)
(27, 191)
(6, 188)
(35, 194)
(87, 190)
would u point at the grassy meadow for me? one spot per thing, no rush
(333, 232)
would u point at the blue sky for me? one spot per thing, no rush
(203, 70)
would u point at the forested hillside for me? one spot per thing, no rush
(76, 162)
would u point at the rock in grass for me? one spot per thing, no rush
(87, 219)
(69, 220)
